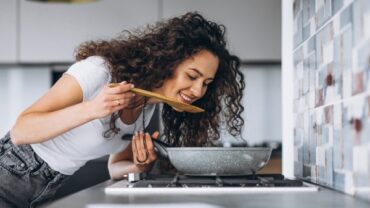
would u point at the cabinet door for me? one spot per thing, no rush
(253, 26)
(50, 32)
(8, 31)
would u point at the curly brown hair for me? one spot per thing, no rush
(148, 57)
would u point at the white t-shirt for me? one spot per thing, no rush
(69, 151)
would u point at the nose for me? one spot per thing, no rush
(196, 90)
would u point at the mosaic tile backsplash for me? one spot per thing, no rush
(332, 94)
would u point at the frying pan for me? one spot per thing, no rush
(220, 161)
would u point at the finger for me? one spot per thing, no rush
(152, 155)
(111, 101)
(122, 96)
(111, 85)
(116, 106)
(139, 157)
(119, 104)
(148, 142)
(123, 99)
(118, 89)
(143, 145)
(140, 143)
(140, 148)
(155, 135)
(134, 149)
(127, 100)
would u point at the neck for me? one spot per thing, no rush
(130, 115)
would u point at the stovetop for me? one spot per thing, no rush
(266, 180)
(157, 184)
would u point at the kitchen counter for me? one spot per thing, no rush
(323, 198)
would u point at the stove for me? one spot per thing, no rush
(159, 184)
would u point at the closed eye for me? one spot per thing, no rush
(191, 77)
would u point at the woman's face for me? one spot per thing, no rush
(191, 78)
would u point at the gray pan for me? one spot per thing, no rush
(221, 161)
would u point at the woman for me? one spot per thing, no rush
(82, 118)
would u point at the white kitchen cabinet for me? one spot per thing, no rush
(253, 26)
(8, 31)
(50, 32)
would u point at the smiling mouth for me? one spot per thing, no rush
(185, 99)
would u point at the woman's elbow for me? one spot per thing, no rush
(111, 172)
(118, 170)
(115, 176)
(14, 137)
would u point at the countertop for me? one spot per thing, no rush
(323, 198)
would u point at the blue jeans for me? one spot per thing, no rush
(25, 179)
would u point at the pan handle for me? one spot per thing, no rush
(161, 148)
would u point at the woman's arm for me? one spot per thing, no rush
(61, 109)
(125, 162)
(121, 164)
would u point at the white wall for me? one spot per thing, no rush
(19, 88)
(262, 103)
(253, 26)
(8, 31)
(51, 32)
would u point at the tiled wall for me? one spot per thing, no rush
(332, 94)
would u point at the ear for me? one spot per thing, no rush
(155, 135)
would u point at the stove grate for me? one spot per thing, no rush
(258, 180)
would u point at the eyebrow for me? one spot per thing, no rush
(200, 73)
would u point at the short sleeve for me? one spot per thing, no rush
(92, 74)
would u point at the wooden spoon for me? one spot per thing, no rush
(170, 101)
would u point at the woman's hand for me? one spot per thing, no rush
(143, 149)
(126, 161)
(112, 99)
